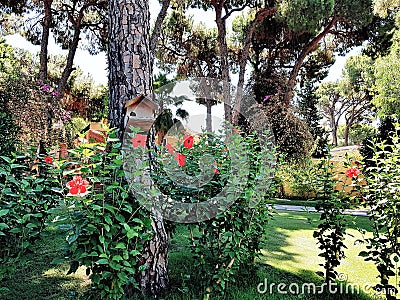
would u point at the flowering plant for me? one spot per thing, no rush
(107, 227)
(29, 192)
(192, 171)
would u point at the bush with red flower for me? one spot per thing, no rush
(208, 158)
(107, 226)
(48, 160)
(382, 195)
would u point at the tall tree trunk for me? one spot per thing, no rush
(244, 54)
(44, 44)
(209, 115)
(299, 62)
(346, 136)
(223, 49)
(130, 75)
(334, 135)
(128, 55)
(70, 60)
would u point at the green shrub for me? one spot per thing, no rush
(229, 238)
(28, 193)
(331, 231)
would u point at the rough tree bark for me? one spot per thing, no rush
(47, 23)
(130, 75)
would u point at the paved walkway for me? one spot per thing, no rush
(352, 212)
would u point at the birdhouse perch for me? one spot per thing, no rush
(140, 112)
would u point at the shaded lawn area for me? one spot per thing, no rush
(290, 256)
(36, 278)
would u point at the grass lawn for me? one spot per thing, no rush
(292, 248)
(290, 256)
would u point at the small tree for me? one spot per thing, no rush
(381, 194)
(332, 229)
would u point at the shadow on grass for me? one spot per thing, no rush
(259, 283)
(185, 283)
(35, 278)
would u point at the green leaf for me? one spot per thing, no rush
(3, 212)
(15, 230)
(31, 225)
(102, 261)
(57, 261)
(3, 226)
(97, 207)
(120, 246)
(135, 252)
(117, 258)
(7, 159)
(16, 166)
(108, 219)
(132, 233)
(72, 238)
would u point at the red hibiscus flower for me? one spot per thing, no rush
(77, 186)
(352, 172)
(188, 141)
(216, 171)
(48, 160)
(139, 141)
(170, 148)
(181, 159)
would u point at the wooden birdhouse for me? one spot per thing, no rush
(140, 112)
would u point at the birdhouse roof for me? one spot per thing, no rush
(141, 99)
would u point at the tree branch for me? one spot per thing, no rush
(229, 13)
(157, 26)
(296, 69)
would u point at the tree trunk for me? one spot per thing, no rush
(334, 135)
(244, 54)
(130, 75)
(299, 62)
(70, 61)
(44, 44)
(128, 55)
(223, 49)
(346, 135)
(209, 116)
(157, 27)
